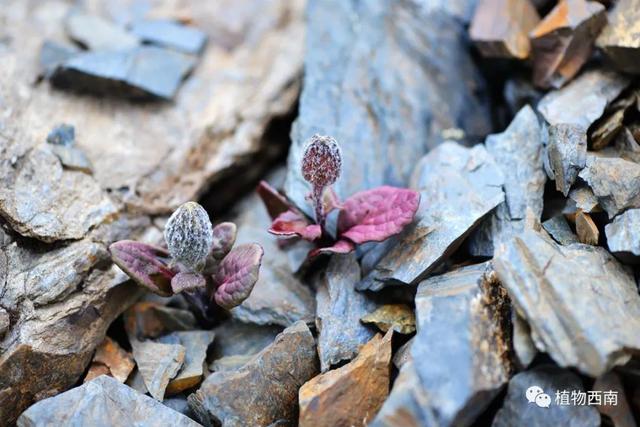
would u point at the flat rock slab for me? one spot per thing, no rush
(462, 319)
(567, 295)
(150, 320)
(622, 233)
(118, 361)
(103, 401)
(170, 34)
(517, 410)
(339, 309)
(620, 39)
(235, 338)
(384, 117)
(96, 33)
(158, 363)
(263, 391)
(559, 229)
(399, 317)
(352, 394)
(458, 187)
(518, 154)
(192, 372)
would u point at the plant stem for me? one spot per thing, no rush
(319, 208)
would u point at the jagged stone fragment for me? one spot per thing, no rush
(158, 363)
(119, 362)
(399, 317)
(96, 33)
(170, 34)
(195, 344)
(620, 38)
(586, 229)
(567, 154)
(559, 229)
(622, 233)
(150, 320)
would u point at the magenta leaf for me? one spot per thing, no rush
(145, 264)
(374, 215)
(187, 282)
(294, 224)
(237, 274)
(339, 247)
(224, 236)
(275, 202)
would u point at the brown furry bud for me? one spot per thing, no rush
(321, 161)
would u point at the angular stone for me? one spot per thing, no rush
(63, 134)
(103, 401)
(620, 39)
(500, 28)
(606, 129)
(384, 117)
(622, 234)
(157, 363)
(523, 346)
(235, 338)
(620, 412)
(72, 158)
(563, 40)
(229, 363)
(584, 199)
(96, 33)
(150, 320)
(40, 199)
(170, 34)
(559, 229)
(264, 390)
(192, 373)
(458, 187)
(118, 361)
(567, 295)
(132, 73)
(339, 309)
(278, 297)
(399, 317)
(96, 370)
(586, 229)
(614, 181)
(518, 154)
(517, 410)
(462, 321)
(403, 354)
(352, 394)
(52, 54)
(567, 154)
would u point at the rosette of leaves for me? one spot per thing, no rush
(368, 216)
(200, 262)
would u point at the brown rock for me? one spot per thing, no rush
(95, 370)
(263, 391)
(500, 28)
(606, 129)
(151, 319)
(399, 317)
(118, 362)
(586, 229)
(196, 344)
(563, 40)
(620, 412)
(620, 39)
(157, 363)
(350, 395)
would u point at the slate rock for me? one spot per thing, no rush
(567, 295)
(140, 72)
(96, 33)
(339, 309)
(62, 134)
(458, 187)
(41, 199)
(462, 319)
(563, 40)
(517, 410)
(352, 394)
(5, 321)
(192, 372)
(170, 34)
(621, 413)
(586, 229)
(52, 54)
(518, 154)
(567, 154)
(150, 320)
(620, 39)
(158, 363)
(229, 363)
(263, 391)
(584, 199)
(72, 159)
(399, 317)
(235, 338)
(119, 362)
(103, 401)
(614, 181)
(523, 347)
(384, 117)
(622, 233)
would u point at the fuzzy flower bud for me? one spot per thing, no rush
(189, 235)
(321, 161)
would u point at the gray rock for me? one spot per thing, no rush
(41, 199)
(96, 33)
(72, 158)
(621, 413)
(141, 72)
(339, 309)
(567, 154)
(524, 348)
(622, 233)
(559, 229)
(263, 391)
(62, 134)
(235, 338)
(567, 295)
(192, 372)
(157, 363)
(518, 154)
(614, 181)
(170, 34)
(384, 116)
(583, 199)
(5, 321)
(518, 411)
(462, 319)
(103, 401)
(458, 187)
(619, 38)
(229, 363)
(52, 54)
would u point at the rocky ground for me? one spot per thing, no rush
(518, 122)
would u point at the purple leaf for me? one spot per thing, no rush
(145, 264)
(339, 247)
(374, 215)
(294, 224)
(187, 282)
(224, 236)
(237, 274)
(275, 202)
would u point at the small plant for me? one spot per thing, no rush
(200, 262)
(368, 216)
